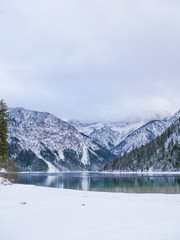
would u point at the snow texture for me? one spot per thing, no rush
(36, 213)
(107, 135)
(122, 137)
(144, 134)
(52, 144)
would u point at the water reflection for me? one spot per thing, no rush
(85, 182)
(105, 182)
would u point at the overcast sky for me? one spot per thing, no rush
(91, 60)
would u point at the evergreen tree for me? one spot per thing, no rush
(4, 119)
(162, 153)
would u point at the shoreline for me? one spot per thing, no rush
(103, 172)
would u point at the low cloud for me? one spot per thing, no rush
(92, 60)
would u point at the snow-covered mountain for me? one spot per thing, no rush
(141, 136)
(122, 137)
(144, 134)
(107, 135)
(161, 154)
(40, 142)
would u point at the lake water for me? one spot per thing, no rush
(127, 183)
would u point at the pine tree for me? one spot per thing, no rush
(4, 119)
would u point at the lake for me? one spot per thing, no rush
(92, 181)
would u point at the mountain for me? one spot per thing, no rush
(160, 154)
(141, 136)
(144, 134)
(42, 142)
(107, 135)
(121, 137)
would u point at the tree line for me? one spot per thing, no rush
(5, 162)
(161, 154)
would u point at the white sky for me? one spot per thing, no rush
(91, 60)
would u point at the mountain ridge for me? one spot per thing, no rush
(160, 154)
(144, 134)
(127, 136)
(49, 143)
(40, 141)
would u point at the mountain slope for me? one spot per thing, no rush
(107, 135)
(144, 134)
(141, 136)
(41, 142)
(161, 154)
(121, 137)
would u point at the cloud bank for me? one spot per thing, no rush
(91, 60)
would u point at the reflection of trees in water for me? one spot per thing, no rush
(40, 180)
(33, 179)
(137, 184)
(99, 182)
(143, 181)
(12, 177)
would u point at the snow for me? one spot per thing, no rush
(43, 132)
(120, 137)
(36, 213)
(85, 159)
(107, 133)
(4, 181)
(149, 173)
(51, 168)
(61, 155)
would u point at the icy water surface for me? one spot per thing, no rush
(127, 183)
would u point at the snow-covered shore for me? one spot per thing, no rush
(39, 213)
(141, 173)
(107, 172)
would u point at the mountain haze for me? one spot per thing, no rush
(121, 137)
(160, 154)
(144, 134)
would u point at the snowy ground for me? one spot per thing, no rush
(39, 213)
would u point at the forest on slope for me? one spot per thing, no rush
(161, 154)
